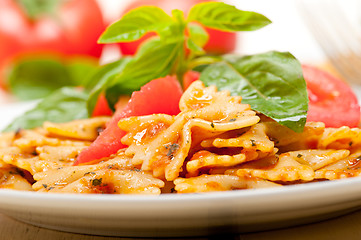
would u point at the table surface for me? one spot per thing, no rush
(344, 227)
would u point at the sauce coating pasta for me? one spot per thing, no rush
(216, 143)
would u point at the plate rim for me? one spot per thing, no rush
(242, 193)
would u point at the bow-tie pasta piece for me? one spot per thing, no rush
(211, 183)
(283, 169)
(340, 138)
(110, 181)
(255, 139)
(205, 159)
(11, 178)
(29, 140)
(144, 135)
(6, 139)
(344, 168)
(287, 140)
(83, 129)
(42, 159)
(205, 113)
(317, 159)
(198, 96)
(56, 180)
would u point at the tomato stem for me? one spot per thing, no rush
(204, 60)
(34, 8)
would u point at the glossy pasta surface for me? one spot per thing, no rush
(216, 143)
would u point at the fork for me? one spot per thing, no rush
(335, 34)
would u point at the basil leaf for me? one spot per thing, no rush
(225, 17)
(198, 34)
(155, 59)
(37, 77)
(113, 93)
(198, 37)
(101, 80)
(63, 105)
(272, 83)
(81, 69)
(136, 23)
(156, 62)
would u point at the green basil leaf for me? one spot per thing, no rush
(63, 105)
(272, 83)
(81, 69)
(113, 93)
(156, 62)
(225, 17)
(37, 77)
(198, 34)
(155, 59)
(101, 80)
(136, 23)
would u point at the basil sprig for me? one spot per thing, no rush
(166, 54)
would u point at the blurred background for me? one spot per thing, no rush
(27, 40)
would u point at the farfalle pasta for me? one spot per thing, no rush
(216, 143)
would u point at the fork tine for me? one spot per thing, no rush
(350, 58)
(336, 37)
(317, 27)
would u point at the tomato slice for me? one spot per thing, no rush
(102, 107)
(189, 77)
(331, 100)
(158, 96)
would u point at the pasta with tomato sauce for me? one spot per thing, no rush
(216, 143)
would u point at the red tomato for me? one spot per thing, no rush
(72, 30)
(189, 77)
(219, 42)
(158, 96)
(331, 100)
(102, 107)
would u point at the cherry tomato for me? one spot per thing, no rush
(220, 42)
(158, 96)
(73, 29)
(331, 100)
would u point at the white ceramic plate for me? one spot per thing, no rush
(184, 215)
(180, 215)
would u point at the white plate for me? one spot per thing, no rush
(180, 215)
(184, 215)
